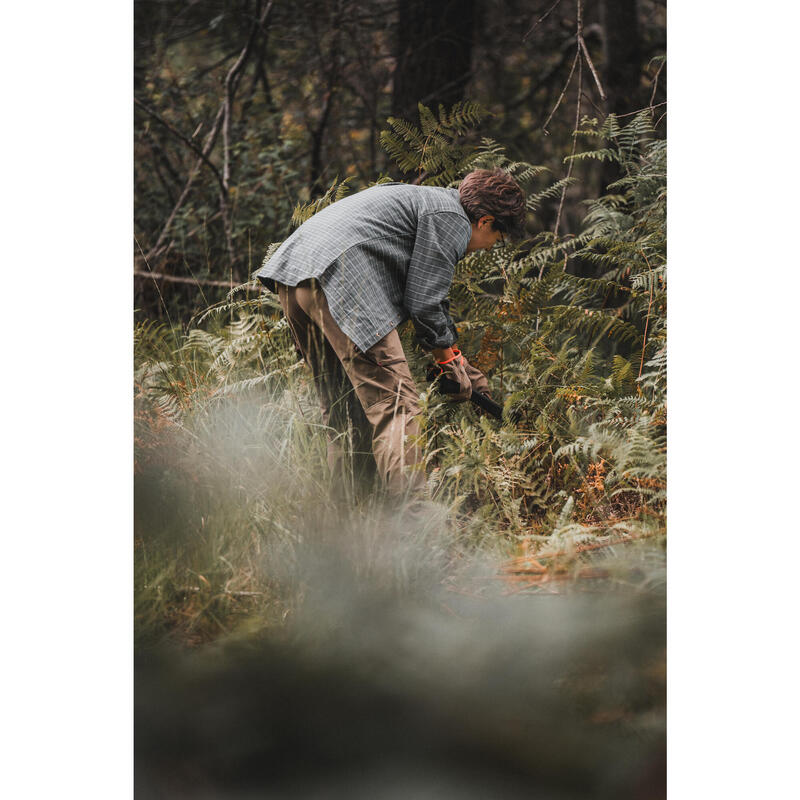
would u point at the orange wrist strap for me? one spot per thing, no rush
(457, 354)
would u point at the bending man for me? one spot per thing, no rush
(352, 273)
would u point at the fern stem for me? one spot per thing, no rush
(647, 318)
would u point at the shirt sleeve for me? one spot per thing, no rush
(441, 240)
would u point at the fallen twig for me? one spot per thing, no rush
(195, 589)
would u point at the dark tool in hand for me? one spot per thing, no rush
(446, 386)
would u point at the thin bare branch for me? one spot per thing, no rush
(160, 276)
(541, 19)
(231, 81)
(655, 84)
(596, 77)
(639, 110)
(563, 92)
(544, 81)
(207, 147)
(227, 593)
(591, 102)
(185, 139)
(574, 147)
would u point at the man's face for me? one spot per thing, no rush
(484, 235)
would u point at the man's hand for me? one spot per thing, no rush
(453, 367)
(477, 379)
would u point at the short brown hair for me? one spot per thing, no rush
(495, 192)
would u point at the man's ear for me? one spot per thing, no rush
(486, 219)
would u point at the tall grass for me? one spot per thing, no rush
(233, 489)
(350, 649)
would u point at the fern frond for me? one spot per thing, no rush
(603, 154)
(336, 191)
(534, 201)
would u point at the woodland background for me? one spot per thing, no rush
(68, 504)
(244, 109)
(514, 638)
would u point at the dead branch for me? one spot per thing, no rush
(585, 49)
(563, 92)
(545, 79)
(577, 123)
(655, 86)
(226, 592)
(185, 139)
(317, 131)
(639, 110)
(540, 20)
(231, 82)
(589, 100)
(231, 85)
(156, 249)
(160, 276)
(572, 153)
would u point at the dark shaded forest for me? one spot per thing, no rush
(245, 109)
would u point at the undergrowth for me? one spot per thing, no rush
(233, 495)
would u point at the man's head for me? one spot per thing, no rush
(495, 206)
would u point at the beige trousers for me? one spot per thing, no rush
(369, 398)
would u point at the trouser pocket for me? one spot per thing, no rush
(388, 382)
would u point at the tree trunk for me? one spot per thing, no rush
(622, 53)
(434, 54)
(622, 67)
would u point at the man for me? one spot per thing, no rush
(352, 273)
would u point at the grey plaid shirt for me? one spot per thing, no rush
(382, 255)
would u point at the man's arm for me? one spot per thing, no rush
(441, 240)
